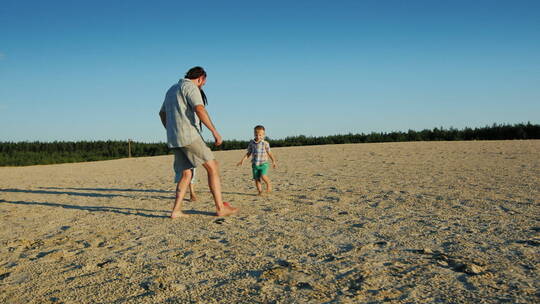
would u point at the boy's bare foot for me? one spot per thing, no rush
(176, 214)
(193, 198)
(227, 210)
(260, 193)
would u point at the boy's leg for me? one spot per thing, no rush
(258, 185)
(192, 195)
(181, 189)
(264, 177)
(257, 177)
(214, 183)
(267, 182)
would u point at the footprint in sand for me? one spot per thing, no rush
(106, 263)
(4, 275)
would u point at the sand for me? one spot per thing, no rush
(420, 222)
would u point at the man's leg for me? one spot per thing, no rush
(181, 189)
(214, 183)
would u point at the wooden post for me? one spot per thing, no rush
(129, 148)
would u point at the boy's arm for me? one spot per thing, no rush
(246, 156)
(274, 164)
(271, 156)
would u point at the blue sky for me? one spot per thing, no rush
(98, 70)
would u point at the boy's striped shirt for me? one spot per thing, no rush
(258, 151)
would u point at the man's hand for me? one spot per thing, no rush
(217, 139)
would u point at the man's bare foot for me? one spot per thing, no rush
(193, 198)
(260, 193)
(227, 210)
(176, 214)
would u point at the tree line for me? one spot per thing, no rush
(39, 153)
(42, 153)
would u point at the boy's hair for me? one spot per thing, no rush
(195, 72)
(259, 127)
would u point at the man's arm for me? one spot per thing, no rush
(205, 119)
(163, 117)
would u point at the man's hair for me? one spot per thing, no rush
(195, 73)
(259, 127)
(203, 95)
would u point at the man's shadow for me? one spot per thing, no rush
(117, 210)
(83, 193)
(109, 189)
(134, 190)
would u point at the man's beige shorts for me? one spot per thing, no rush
(191, 156)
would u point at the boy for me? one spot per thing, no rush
(259, 149)
(178, 177)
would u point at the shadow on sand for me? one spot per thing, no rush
(132, 190)
(239, 193)
(118, 210)
(197, 212)
(82, 193)
(101, 189)
(110, 189)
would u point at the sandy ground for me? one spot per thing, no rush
(433, 222)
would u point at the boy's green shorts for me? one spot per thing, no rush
(259, 170)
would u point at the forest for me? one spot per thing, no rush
(41, 153)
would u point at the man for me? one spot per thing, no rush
(181, 114)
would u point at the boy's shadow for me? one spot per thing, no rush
(198, 212)
(239, 193)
